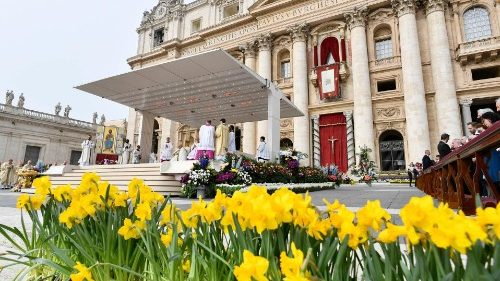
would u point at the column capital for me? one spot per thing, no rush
(434, 6)
(299, 32)
(315, 117)
(248, 49)
(465, 101)
(348, 114)
(357, 17)
(403, 7)
(264, 42)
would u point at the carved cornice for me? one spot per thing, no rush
(265, 42)
(249, 49)
(434, 6)
(356, 18)
(465, 101)
(299, 32)
(403, 7)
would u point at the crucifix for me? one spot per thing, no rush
(332, 142)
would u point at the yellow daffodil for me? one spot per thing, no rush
(23, 201)
(489, 218)
(42, 186)
(391, 233)
(291, 267)
(120, 199)
(37, 201)
(186, 266)
(83, 273)
(372, 215)
(131, 229)
(62, 192)
(252, 268)
(143, 212)
(167, 238)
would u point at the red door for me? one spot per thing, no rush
(333, 140)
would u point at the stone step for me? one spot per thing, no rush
(63, 180)
(118, 176)
(105, 167)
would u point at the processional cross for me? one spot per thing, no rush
(332, 143)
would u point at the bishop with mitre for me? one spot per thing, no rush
(221, 138)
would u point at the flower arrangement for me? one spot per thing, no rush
(196, 179)
(365, 170)
(334, 174)
(96, 232)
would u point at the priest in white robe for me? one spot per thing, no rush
(194, 150)
(221, 139)
(136, 155)
(8, 175)
(87, 152)
(127, 148)
(232, 140)
(262, 151)
(166, 152)
(207, 145)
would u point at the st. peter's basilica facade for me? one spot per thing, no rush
(391, 75)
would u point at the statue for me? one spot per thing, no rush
(20, 102)
(103, 119)
(145, 17)
(94, 118)
(58, 108)
(9, 97)
(67, 110)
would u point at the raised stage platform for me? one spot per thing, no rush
(162, 177)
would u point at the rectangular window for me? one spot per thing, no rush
(75, 156)
(231, 10)
(158, 37)
(386, 85)
(32, 153)
(195, 25)
(383, 48)
(286, 70)
(485, 73)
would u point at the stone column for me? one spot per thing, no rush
(301, 133)
(249, 137)
(447, 112)
(146, 135)
(316, 155)
(131, 125)
(465, 103)
(363, 115)
(413, 80)
(351, 156)
(264, 43)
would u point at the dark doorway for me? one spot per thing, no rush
(237, 138)
(392, 153)
(479, 104)
(156, 128)
(286, 143)
(75, 156)
(32, 153)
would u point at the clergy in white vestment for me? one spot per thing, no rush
(262, 151)
(87, 152)
(8, 175)
(194, 150)
(183, 153)
(127, 148)
(232, 140)
(207, 145)
(136, 155)
(166, 152)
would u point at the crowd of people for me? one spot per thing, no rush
(486, 118)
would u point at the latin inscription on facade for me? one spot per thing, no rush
(261, 23)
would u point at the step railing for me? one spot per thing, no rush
(464, 174)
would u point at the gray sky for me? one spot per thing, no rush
(48, 47)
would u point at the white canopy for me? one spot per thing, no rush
(190, 90)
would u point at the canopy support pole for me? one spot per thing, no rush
(273, 123)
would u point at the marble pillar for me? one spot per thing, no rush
(316, 154)
(363, 112)
(351, 155)
(264, 43)
(131, 126)
(249, 137)
(417, 125)
(465, 103)
(301, 133)
(447, 111)
(146, 127)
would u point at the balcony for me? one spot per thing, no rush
(284, 82)
(479, 50)
(385, 63)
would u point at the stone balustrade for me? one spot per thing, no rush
(284, 82)
(383, 64)
(478, 50)
(23, 112)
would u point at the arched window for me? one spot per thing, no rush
(476, 24)
(392, 155)
(286, 143)
(285, 66)
(383, 43)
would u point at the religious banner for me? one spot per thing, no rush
(328, 80)
(109, 141)
(333, 140)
